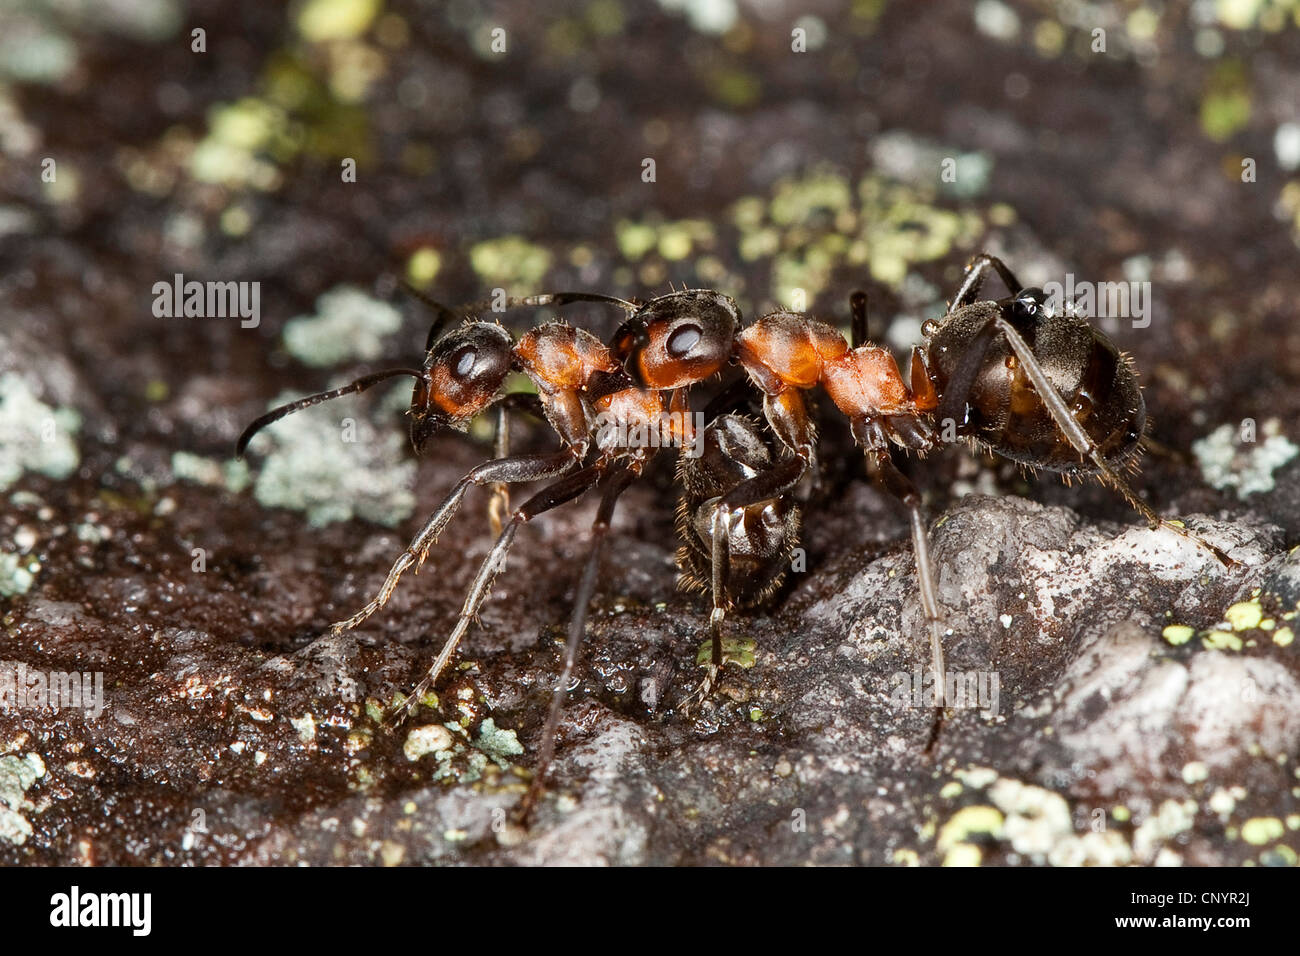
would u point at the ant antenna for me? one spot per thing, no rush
(275, 414)
(441, 314)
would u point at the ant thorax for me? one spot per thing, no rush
(636, 422)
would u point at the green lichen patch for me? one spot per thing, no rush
(335, 470)
(1246, 467)
(323, 20)
(1226, 105)
(510, 262)
(34, 436)
(821, 221)
(348, 325)
(17, 774)
(498, 744)
(17, 573)
(974, 821)
(1259, 831)
(735, 650)
(230, 475)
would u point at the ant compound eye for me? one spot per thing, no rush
(684, 338)
(465, 363)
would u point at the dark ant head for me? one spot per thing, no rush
(463, 373)
(678, 339)
(1028, 306)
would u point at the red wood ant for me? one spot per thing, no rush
(588, 400)
(1047, 391)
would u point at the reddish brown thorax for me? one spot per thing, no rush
(558, 357)
(789, 350)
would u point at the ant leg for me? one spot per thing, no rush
(520, 468)
(952, 406)
(552, 496)
(1084, 445)
(975, 269)
(720, 559)
(616, 485)
(860, 330)
(500, 503)
(787, 416)
(897, 485)
(499, 506)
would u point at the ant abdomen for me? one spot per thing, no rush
(1003, 410)
(761, 536)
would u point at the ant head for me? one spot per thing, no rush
(463, 374)
(678, 339)
(1028, 305)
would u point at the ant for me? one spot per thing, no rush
(1047, 391)
(586, 397)
(1075, 409)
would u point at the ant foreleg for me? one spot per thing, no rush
(616, 485)
(895, 483)
(552, 496)
(720, 562)
(1085, 446)
(520, 468)
(499, 506)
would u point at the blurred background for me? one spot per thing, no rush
(783, 152)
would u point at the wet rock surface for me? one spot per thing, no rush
(1134, 700)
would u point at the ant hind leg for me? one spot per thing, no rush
(552, 496)
(896, 484)
(520, 468)
(615, 486)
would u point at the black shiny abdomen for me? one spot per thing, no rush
(1004, 412)
(734, 450)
